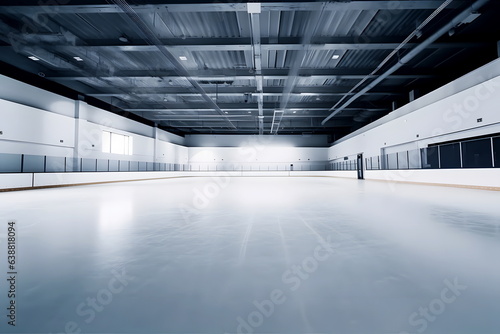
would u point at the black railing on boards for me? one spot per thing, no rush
(25, 163)
(473, 153)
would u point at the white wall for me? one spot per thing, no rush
(246, 140)
(172, 153)
(19, 92)
(34, 131)
(102, 117)
(37, 122)
(247, 152)
(449, 113)
(256, 157)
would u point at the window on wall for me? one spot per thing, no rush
(116, 143)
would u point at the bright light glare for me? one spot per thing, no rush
(117, 144)
(106, 142)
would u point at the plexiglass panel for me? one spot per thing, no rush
(88, 165)
(55, 165)
(33, 164)
(414, 159)
(449, 155)
(496, 151)
(403, 160)
(102, 165)
(430, 157)
(477, 154)
(124, 166)
(392, 161)
(10, 163)
(113, 165)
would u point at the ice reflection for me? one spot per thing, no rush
(396, 250)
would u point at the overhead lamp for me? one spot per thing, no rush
(254, 8)
(308, 94)
(34, 58)
(249, 112)
(278, 114)
(335, 56)
(470, 18)
(77, 58)
(183, 58)
(123, 39)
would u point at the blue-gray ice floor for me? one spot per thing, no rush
(253, 255)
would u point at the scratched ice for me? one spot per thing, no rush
(254, 255)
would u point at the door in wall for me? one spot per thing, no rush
(360, 167)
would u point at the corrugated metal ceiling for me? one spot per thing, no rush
(220, 54)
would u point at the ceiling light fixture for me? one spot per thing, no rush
(77, 58)
(254, 8)
(335, 57)
(184, 58)
(278, 115)
(123, 39)
(34, 58)
(470, 18)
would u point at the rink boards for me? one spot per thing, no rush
(488, 179)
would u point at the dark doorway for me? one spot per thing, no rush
(360, 167)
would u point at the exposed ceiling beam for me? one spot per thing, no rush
(239, 90)
(209, 44)
(234, 108)
(305, 126)
(199, 106)
(297, 64)
(79, 7)
(243, 117)
(254, 10)
(243, 74)
(244, 43)
(457, 20)
(149, 35)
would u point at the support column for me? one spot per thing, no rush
(76, 151)
(155, 152)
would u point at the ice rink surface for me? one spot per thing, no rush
(253, 255)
